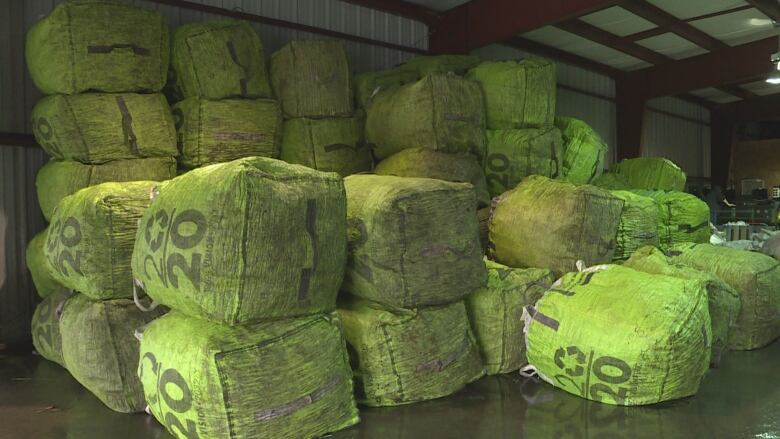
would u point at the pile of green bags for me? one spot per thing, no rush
(584, 151)
(368, 84)
(41, 272)
(439, 64)
(517, 153)
(638, 225)
(45, 326)
(644, 173)
(682, 218)
(329, 145)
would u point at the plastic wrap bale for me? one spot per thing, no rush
(281, 379)
(90, 240)
(100, 127)
(108, 46)
(682, 218)
(518, 94)
(100, 349)
(426, 163)
(440, 112)
(403, 356)
(754, 276)
(40, 270)
(313, 79)
(590, 338)
(495, 312)
(611, 181)
(412, 241)
(428, 65)
(552, 224)
(515, 154)
(45, 327)
(219, 59)
(368, 84)
(329, 145)
(59, 178)
(724, 304)
(211, 132)
(238, 242)
(584, 151)
(651, 173)
(638, 225)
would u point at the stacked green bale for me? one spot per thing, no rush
(328, 145)
(45, 327)
(682, 218)
(368, 84)
(584, 151)
(41, 272)
(431, 65)
(576, 336)
(638, 225)
(648, 173)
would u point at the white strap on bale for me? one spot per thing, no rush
(138, 284)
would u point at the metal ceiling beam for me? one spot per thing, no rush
(600, 36)
(663, 29)
(400, 8)
(770, 8)
(562, 55)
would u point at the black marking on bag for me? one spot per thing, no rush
(687, 228)
(234, 57)
(543, 319)
(137, 50)
(311, 230)
(338, 146)
(247, 137)
(127, 126)
(588, 277)
(554, 159)
(294, 406)
(440, 364)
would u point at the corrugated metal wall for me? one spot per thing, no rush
(684, 139)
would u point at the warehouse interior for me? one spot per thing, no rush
(278, 218)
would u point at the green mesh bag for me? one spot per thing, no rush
(100, 127)
(590, 338)
(246, 240)
(313, 79)
(584, 151)
(515, 154)
(100, 349)
(329, 145)
(409, 355)
(219, 59)
(518, 94)
(638, 225)
(98, 45)
(754, 276)
(45, 326)
(611, 181)
(59, 178)
(412, 241)
(281, 379)
(496, 311)
(426, 163)
(368, 84)
(651, 173)
(211, 132)
(90, 240)
(682, 218)
(552, 224)
(428, 65)
(40, 270)
(441, 112)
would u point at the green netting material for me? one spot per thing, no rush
(651, 173)
(59, 178)
(211, 132)
(246, 240)
(638, 224)
(413, 241)
(552, 224)
(219, 59)
(89, 45)
(100, 349)
(45, 327)
(282, 379)
(584, 151)
(428, 65)
(496, 311)
(754, 276)
(313, 79)
(611, 181)
(409, 355)
(90, 239)
(589, 338)
(40, 270)
(515, 154)
(329, 145)
(100, 127)
(682, 218)
(518, 94)
(368, 84)
(426, 163)
(440, 112)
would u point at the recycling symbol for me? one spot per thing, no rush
(578, 357)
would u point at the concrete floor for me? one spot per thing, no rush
(741, 399)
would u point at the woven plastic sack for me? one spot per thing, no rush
(100, 127)
(552, 224)
(368, 84)
(611, 181)
(426, 163)
(754, 276)
(515, 154)
(638, 225)
(59, 178)
(441, 112)
(328, 145)
(682, 218)
(584, 151)
(404, 356)
(495, 312)
(100, 349)
(219, 59)
(40, 270)
(45, 327)
(651, 173)
(428, 65)
(590, 338)
(281, 379)
(104, 45)
(238, 242)
(518, 94)
(211, 132)
(90, 239)
(412, 241)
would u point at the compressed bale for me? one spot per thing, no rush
(328, 145)
(440, 112)
(429, 65)
(651, 173)
(589, 338)
(90, 239)
(107, 46)
(682, 218)
(45, 327)
(287, 378)
(412, 241)
(368, 84)
(251, 239)
(100, 127)
(515, 154)
(41, 272)
(584, 151)
(552, 224)
(404, 356)
(638, 225)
